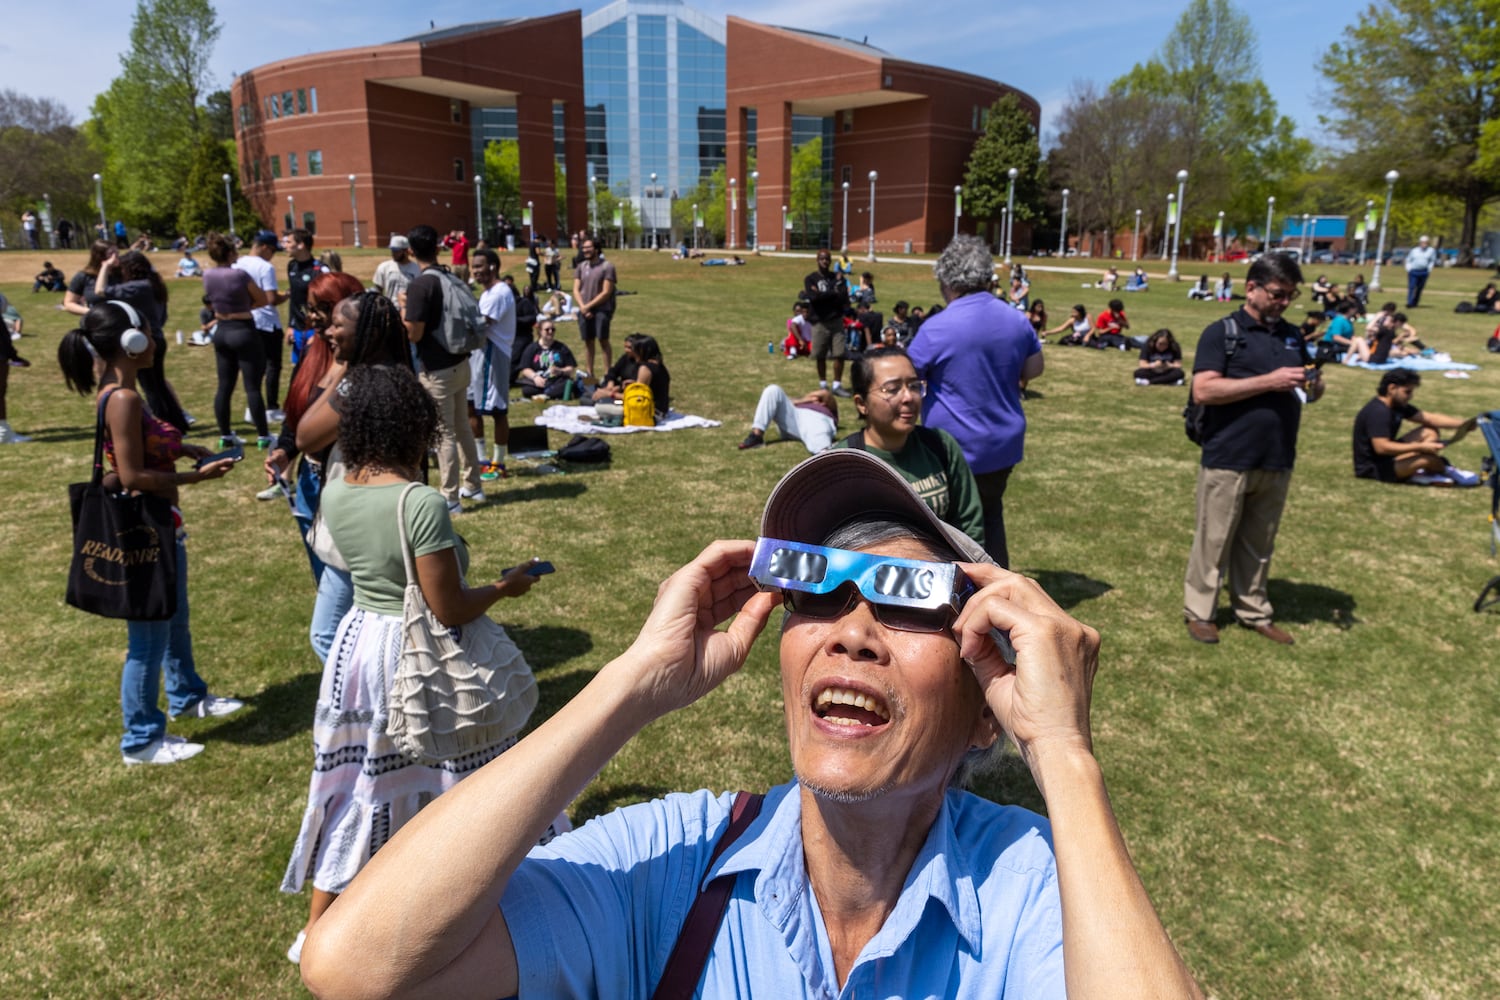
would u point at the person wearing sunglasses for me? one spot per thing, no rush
(888, 396)
(1247, 370)
(905, 654)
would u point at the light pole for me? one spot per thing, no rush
(531, 220)
(291, 211)
(1010, 208)
(99, 197)
(1390, 187)
(751, 198)
(1135, 245)
(354, 210)
(845, 246)
(871, 257)
(1364, 241)
(1004, 224)
(733, 212)
(1062, 237)
(653, 210)
(593, 203)
(1166, 241)
(1306, 239)
(1270, 208)
(478, 205)
(958, 206)
(47, 221)
(1221, 236)
(228, 201)
(783, 229)
(1182, 176)
(695, 225)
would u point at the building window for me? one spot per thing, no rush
(275, 166)
(291, 164)
(974, 119)
(273, 106)
(848, 119)
(315, 162)
(301, 101)
(287, 108)
(310, 222)
(312, 99)
(456, 112)
(458, 169)
(847, 174)
(255, 170)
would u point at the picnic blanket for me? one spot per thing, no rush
(580, 420)
(1419, 364)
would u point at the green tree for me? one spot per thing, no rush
(606, 202)
(809, 201)
(148, 123)
(203, 207)
(42, 153)
(708, 195)
(1009, 142)
(1416, 87)
(502, 179)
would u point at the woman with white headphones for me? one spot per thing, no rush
(108, 351)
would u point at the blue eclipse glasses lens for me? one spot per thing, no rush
(913, 595)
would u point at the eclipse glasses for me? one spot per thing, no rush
(912, 595)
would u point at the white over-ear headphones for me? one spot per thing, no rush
(132, 341)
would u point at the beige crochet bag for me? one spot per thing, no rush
(456, 690)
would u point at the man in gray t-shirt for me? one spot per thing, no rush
(392, 276)
(594, 291)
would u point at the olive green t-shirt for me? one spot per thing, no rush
(941, 478)
(362, 521)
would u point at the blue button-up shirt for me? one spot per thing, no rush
(597, 911)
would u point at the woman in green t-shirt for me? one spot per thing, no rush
(888, 396)
(363, 787)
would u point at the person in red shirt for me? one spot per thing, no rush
(1109, 327)
(458, 242)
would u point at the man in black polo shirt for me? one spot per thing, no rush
(1415, 457)
(827, 301)
(301, 268)
(1248, 381)
(445, 376)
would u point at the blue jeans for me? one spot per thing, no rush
(1415, 282)
(151, 648)
(335, 598)
(299, 344)
(305, 499)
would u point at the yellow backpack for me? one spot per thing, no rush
(639, 405)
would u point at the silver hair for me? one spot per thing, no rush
(965, 266)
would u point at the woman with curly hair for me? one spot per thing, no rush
(363, 787)
(143, 450)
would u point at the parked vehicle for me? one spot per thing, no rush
(1322, 257)
(1398, 256)
(1346, 257)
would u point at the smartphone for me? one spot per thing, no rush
(237, 453)
(535, 569)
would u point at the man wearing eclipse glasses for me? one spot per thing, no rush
(904, 653)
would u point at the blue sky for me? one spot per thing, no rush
(1041, 48)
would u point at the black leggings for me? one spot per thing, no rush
(273, 341)
(239, 350)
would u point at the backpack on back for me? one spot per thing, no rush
(460, 330)
(639, 404)
(1194, 415)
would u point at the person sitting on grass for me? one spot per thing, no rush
(188, 266)
(1416, 457)
(798, 340)
(888, 396)
(1160, 361)
(1138, 282)
(1488, 299)
(1321, 289)
(642, 363)
(1340, 334)
(1109, 280)
(870, 871)
(1109, 328)
(1224, 290)
(813, 419)
(1200, 290)
(549, 368)
(1075, 329)
(51, 279)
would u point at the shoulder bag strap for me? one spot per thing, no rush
(406, 557)
(856, 440)
(696, 939)
(98, 477)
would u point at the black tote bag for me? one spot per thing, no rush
(124, 548)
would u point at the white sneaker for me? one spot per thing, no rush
(167, 750)
(1462, 477)
(473, 496)
(8, 436)
(294, 953)
(248, 418)
(276, 416)
(269, 493)
(1428, 479)
(454, 509)
(211, 706)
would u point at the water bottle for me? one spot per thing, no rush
(179, 337)
(770, 347)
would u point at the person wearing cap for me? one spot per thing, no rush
(974, 355)
(868, 874)
(257, 264)
(1418, 263)
(392, 276)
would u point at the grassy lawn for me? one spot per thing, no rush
(1313, 821)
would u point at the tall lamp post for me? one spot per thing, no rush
(958, 206)
(354, 210)
(1221, 236)
(695, 225)
(228, 201)
(1135, 245)
(1390, 186)
(291, 211)
(751, 198)
(1182, 176)
(1364, 241)
(1062, 237)
(99, 197)
(1166, 241)
(48, 221)
(653, 210)
(733, 212)
(478, 206)
(871, 257)
(531, 217)
(845, 247)
(1010, 208)
(1270, 208)
(1306, 238)
(783, 229)
(594, 203)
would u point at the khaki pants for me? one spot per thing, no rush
(1238, 515)
(455, 446)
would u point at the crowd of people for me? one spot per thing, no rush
(383, 376)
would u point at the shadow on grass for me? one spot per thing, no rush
(1068, 589)
(547, 645)
(555, 488)
(605, 800)
(280, 711)
(1312, 602)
